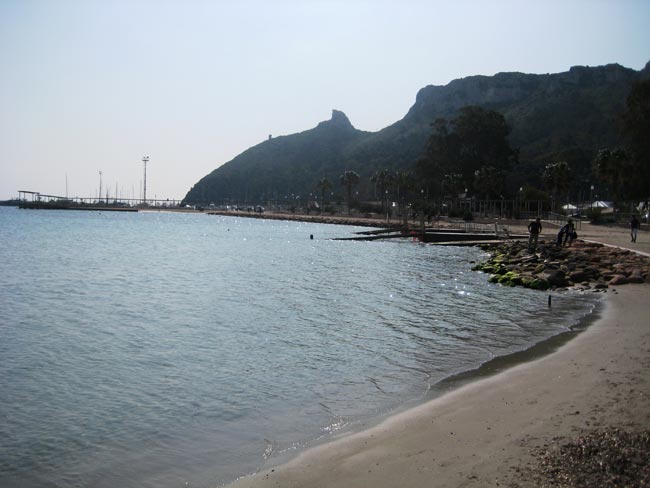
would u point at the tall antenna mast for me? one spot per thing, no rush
(144, 194)
(99, 196)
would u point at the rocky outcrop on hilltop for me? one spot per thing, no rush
(587, 100)
(583, 265)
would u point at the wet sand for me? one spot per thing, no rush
(484, 433)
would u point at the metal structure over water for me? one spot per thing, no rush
(34, 199)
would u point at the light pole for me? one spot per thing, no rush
(145, 160)
(387, 208)
(99, 196)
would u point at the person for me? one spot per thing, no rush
(560, 236)
(634, 227)
(534, 228)
(569, 233)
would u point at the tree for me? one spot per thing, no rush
(488, 182)
(383, 181)
(324, 185)
(557, 178)
(477, 138)
(636, 134)
(439, 158)
(349, 179)
(615, 168)
(404, 184)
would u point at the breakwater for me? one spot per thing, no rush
(583, 265)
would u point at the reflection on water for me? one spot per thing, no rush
(157, 349)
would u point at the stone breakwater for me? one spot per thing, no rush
(583, 265)
(315, 218)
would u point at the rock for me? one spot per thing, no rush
(591, 272)
(618, 279)
(540, 268)
(585, 265)
(539, 284)
(635, 277)
(556, 277)
(578, 275)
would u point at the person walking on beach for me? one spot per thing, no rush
(634, 227)
(534, 228)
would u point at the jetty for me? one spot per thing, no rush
(36, 200)
(452, 234)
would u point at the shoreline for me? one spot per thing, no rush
(405, 450)
(482, 433)
(444, 386)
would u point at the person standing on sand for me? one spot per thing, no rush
(634, 227)
(534, 228)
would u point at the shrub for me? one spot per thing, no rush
(595, 215)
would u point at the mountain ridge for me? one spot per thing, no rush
(572, 112)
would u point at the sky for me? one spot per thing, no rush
(95, 85)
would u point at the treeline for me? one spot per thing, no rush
(471, 156)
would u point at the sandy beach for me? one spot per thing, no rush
(487, 432)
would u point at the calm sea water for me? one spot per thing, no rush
(168, 350)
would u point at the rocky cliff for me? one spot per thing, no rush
(566, 115)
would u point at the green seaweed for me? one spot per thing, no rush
(538, 284)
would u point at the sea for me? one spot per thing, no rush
(157, 349)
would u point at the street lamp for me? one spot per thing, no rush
(145, 160)
(387, 209)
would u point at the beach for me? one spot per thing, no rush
(484, 433)
(487, 432)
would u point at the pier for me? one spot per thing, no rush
(36, 200)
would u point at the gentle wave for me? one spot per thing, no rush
(158, 349)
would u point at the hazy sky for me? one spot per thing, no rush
(94, 85)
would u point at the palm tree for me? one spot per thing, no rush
(613, 167)
(557, 177)
(404, 184)
(349, 179)
(324, 185)
(382, 180)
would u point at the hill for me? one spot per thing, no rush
(566, 116)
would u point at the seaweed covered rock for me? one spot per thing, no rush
(587, 265)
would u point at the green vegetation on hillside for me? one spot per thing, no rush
(543, 119)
